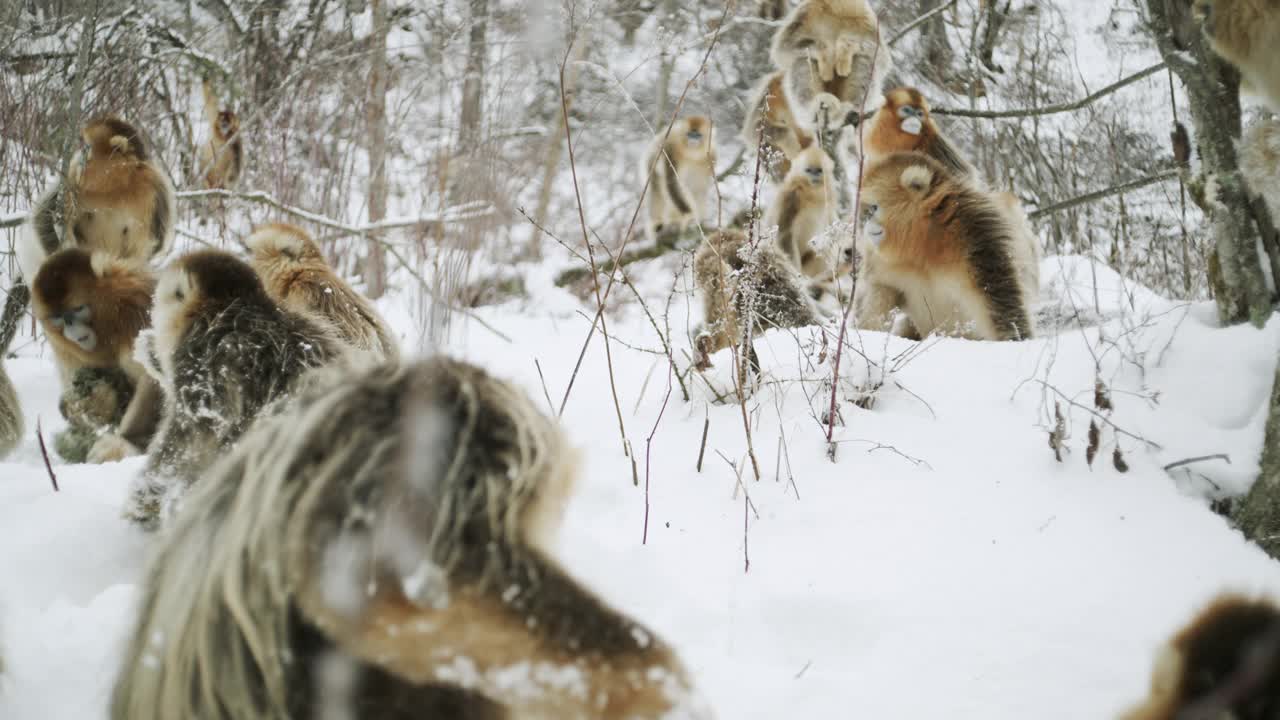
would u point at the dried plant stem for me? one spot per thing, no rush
(1055, 108)
(44, 452)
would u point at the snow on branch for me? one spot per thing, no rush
(1055, 108)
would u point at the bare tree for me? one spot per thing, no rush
(473, 81)
(375, 273)
(1213, 88)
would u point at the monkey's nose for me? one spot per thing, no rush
(694, 135)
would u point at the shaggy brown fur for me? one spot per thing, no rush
(945, 253)
(769, 113)
(297, 276)
(397, 522)
(1247, 34)
(92, 309)
(1227, 659)
(683, 174)
(226, 351)
(223, 153)
(1260, 163)
(11, 426)
(904, 110)
(730, 283)
(116, 199)
(832, 48)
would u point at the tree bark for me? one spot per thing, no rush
(472, 114)
(1258, 515)
(375, 273)
(938, 53)
(1213, 88)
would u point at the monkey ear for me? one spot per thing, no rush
(917, 178)
(120, 143)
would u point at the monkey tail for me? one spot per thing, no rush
(10, 407)
(14, 306)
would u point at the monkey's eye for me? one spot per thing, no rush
(80, 314)
(814, 171)
(179, 295)
(56, 321)
(695, 135)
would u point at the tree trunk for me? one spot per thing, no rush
(555, 147)
(1213, 88)
(469, 122)
(995, 18)
(666, 67)
(938, 53)
(375, 271)
(1258, 515)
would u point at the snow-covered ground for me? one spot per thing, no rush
(944, 565)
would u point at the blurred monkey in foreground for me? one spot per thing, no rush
(390, 529)
(1224, 664)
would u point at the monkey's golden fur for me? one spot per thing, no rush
(1247, 34)
(116, 294)
(115, 199)
(944, 252)
(683, 165)
(1260, 163)
(804, 212)
(297, 276)
(226, 350)
(1233, 638)
(222, 155)
(770, 114)
(766, 285)
(890, 133)
(832, 48)
(398, 519)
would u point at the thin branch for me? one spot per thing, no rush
(1104, 193)
(45, 453)
(1099, 416)
(918, 22)
(1056, 108)
(1202, 458)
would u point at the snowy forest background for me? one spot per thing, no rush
(424, 145)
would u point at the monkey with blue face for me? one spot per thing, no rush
(92, 308)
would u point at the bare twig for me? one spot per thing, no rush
(1057, 107)
(550, 405)
(919, 21)
(44, 452)
(1104, 193)
(702, 448)
(1190, 461)
(648, 448)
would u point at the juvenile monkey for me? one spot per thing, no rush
(770, 113)
(297, 276)
(92, 308)
(1224, 664)
(116, 198)
(804, 212)
(1246, 33)
(683, 172)
(945, 253)
(735, 281)
(835, 56)
(225, 350)
(904, 124)
(222, 154)
(391, 529)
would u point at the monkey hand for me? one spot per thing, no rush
(111, 448)
(844, 57)
(827, 110)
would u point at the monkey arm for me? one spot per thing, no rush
(671, 184)
(161, 224)
(49, 220)
(792, 39)
(143, 413)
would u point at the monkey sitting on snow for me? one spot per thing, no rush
(684, 167)
(1224, 664)
(226, 350)
(946, 254)
(382, 549)
(835, 57)
(297, 276)
(772, 126)
(92, 309)
(737, 281)
(1246, 33)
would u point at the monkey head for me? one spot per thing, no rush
(694, 133)
(902, 123)
(812, 166)
(892, 190)
(282, 242)
(109, 136)
(199, 284)
(227, 124)
(95, 304)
